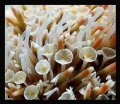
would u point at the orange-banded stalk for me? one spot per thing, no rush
(95, 34)
(107, 70)
(72, 82)
(9, 92)
(50, 87)
(78, 24)
(92, 12)
(94, 91)
(98, 41)
(63, 77)
(81, 75)
(94, 29)
(104, 88)
(60, 42)
(114, 45)
(87, 6)
(18, 67)
(12, 87)
(105, 6)
(111, 41)
(87, 92)
(18, 92)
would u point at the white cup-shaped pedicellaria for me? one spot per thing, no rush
(88, 54)
(31, 92)
(48, 50)
(64, 56)
(19, 77)
(31, 20)
(83, 10)
(29, 12)
(108, 53)
(66, 96)
(42, 67)
(9, 76)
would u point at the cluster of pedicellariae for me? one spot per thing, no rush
(60, 52)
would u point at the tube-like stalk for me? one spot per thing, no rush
(63, 76)
(42, 68)
(80, 76)
(49, 93)
(34, 31)
(107, 69)
(64, 57)
(76, 26)
(83, 65)
(87, 92)
(104, 88)
(108, 35)
(41, 30)
(18, 92)
(87, 54)
(42, 16)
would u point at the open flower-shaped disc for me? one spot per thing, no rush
(88, 54)
(31, 92)
(64, 56)
(108, 53)
(20, 77)
(48, 50)
(42, 67)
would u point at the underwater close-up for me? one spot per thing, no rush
(60, 52)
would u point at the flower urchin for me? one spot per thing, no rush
(60, 52)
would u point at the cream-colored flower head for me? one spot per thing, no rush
(29, 12)
(64, 56)
(68, 95)
(48, 50)
(102, 97)
(88, 54)
(42, 67)
(49, 93)
(83, 10)
(31, 20)
(108, 53)
(31, 92)
(9, 76)
(19, 77)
